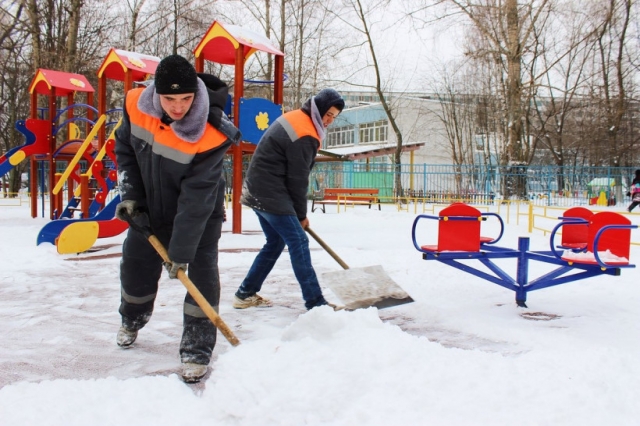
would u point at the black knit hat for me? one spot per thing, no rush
(326, 98)
(175, 75)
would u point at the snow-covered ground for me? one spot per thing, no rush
(462, 354)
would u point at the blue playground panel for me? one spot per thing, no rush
(256, 115)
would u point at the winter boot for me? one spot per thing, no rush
(192, 373)
(126, 337)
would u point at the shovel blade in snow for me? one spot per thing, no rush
(365, 287)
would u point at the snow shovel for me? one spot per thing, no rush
(191, 287)
(362, 287)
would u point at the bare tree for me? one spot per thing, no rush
(74, 8)
(9, 19)
(163, 27)
(135, 7)
(564, 54)
(360, 17)
(501, 36)
(14, 98)
(458, 116)
(312, 44)
(614, 67)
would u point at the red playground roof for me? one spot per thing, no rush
(220, 42)
(119, 61)
(63, 82)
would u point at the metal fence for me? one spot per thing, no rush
(542, 185)
(478, 184)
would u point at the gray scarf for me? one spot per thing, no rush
(317, 120)
(192, 126)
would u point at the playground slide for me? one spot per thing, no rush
(35, 132)
(96, 171)
(102, 225)
(104, 184)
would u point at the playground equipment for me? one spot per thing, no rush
(119, 65)
(78, 235)
(40, 134)
(36, 143)
(601, 191)
(232, 45)
(224, 44)
(72, 234)
(575, 235)
(606, 251)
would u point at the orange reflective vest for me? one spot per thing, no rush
(164, 140)
(297, 124)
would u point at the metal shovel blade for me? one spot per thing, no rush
(365, 287)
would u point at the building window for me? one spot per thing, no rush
(376, 131)
(340, 136)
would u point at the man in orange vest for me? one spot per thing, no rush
(170, 177)
(276, 188)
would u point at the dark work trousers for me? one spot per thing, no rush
(140, 270)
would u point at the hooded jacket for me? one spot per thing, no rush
(173, 170)
(277, 180)
(635, 184)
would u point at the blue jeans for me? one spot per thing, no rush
(281, 230)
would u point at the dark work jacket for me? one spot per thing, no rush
(171, 169)
(277, 180)
(634, 187)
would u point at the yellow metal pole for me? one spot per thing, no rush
(99, 157)
(78, 155)
(411, 171)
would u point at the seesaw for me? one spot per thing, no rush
(596, 245)
(78, 235)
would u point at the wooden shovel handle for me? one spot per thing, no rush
(326, 247)
(197, 296)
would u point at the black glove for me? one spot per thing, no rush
(173, 267)
(129, 211)
(126, 209)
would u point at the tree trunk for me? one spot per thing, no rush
(74, 8)
(514, 83)
(36, 35)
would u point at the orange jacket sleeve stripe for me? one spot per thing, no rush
(297, 124)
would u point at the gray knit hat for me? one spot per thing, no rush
(175, 75)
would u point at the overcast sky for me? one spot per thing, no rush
(409, 55)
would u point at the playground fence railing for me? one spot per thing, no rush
(544, 218)
(535, 217)
(417, 205)
(24, 198)
(12, 199)
(480, 184)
